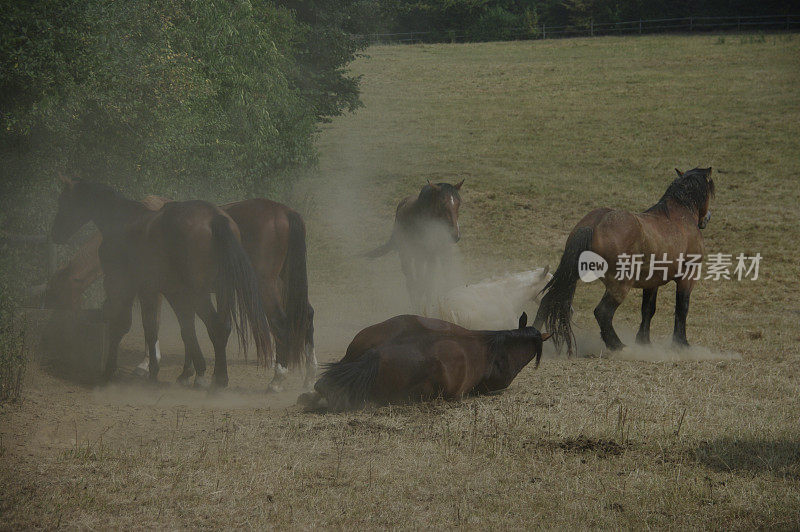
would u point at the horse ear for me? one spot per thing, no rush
(434, 186)
(458, 186)
(680, 174)
(545, 336)
(523, 320)
(708, 172)
(67, 182)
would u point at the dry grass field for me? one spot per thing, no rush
(543, 132)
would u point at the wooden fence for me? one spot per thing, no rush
(593, 29)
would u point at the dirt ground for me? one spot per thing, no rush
(542, 131)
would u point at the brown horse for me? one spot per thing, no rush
(423, 226)
(184, 251)
(273, 235)
(667, 232)
(411, 358)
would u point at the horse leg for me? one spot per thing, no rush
(151, 310)
(682, 293)
(219, 330)
(185, 314)
(408, 272)
(648, 309)
(310, 353)
(604, 314)
(271, 299)
(119, 300)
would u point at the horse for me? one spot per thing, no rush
(411, 358)
(273, 236)
(491, 303)
(668, 232)
(184, 251)
(423, 226)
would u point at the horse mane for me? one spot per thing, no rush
(691, 190)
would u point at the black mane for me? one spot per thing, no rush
(691, 190)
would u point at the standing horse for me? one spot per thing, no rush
(184, 251)
(423, 226)
(411, 358)
(668, 232)
(273, 236)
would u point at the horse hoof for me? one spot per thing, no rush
(220, 383)
(183, 378)
(200, 382)
(139, 371)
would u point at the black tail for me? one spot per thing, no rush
(380, 251)
(238, 298)
(346, 385)
(298, 315)
(555, 310)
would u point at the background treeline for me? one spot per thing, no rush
(183, 98)
(482, 20)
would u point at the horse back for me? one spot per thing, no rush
(179, 240)
(395, 329)
(265, 228)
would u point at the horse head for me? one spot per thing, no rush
(72, 212)
(445, 202)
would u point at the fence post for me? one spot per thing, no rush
(544, 31)
(640, 26)
(691, 24)
(591, 28)
(411, 37)
(787, 22)
(738, 23)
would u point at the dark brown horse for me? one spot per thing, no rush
(185, 251)
(411, 358)
(424, 225)
(664, 236)
(273, 235)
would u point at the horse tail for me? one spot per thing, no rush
(298, 315)
(238, 298)
(382, 250)
(555, 310)
(346, 385)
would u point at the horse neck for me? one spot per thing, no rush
(672, 210)
(112, 212)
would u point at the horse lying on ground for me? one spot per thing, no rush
(411, 358)
(668, 232)
(490, 304)
(424, 226)
(184, 251)
(273, 236)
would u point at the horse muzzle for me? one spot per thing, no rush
(704, 221)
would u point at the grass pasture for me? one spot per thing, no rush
(542, 131)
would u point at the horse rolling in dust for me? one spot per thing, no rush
(667, 231)
(424, 227)
(184, 251)
(411, 358)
